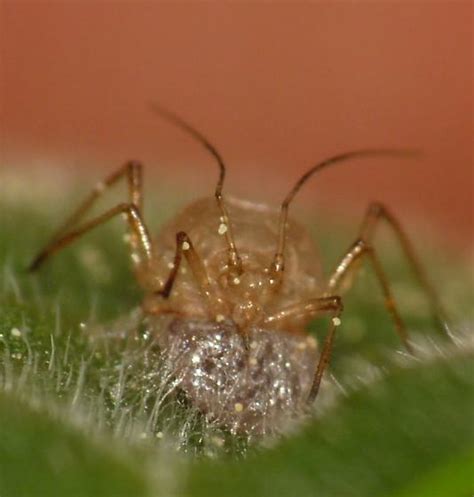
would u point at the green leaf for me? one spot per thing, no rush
(42, 456)
(379, 440)
(447, 480)
(402, 429)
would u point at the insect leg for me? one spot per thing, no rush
(307, 309)
(184, 245)
(348, 266)
(377, 212)
(133, 173)
(324, 358)
(312, 308)
(134, 219)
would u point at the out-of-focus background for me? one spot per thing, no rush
(275, 86)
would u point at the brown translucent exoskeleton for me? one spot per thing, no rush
(234, 285)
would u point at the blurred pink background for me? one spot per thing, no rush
(275, 86)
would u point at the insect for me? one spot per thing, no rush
(237, 283)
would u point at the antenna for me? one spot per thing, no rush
(224, 226)
(278, 261)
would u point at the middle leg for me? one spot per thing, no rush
(346, 268)
(377, 213)
(141, 251)
(69, 230)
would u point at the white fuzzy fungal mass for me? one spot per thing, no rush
(248, 384)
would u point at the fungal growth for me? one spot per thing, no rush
(231, 286)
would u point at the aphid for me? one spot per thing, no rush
(237, 283)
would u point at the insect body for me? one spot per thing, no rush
(244, 356)
(253, 294)
(236, 284)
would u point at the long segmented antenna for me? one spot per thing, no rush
(278, 262)
(224, 225)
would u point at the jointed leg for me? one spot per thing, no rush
(313, 308)
(135, 222)
(184, 245)
(324, 358)
(377, 212)
(349, 264)
(308, 309)
(133, 173)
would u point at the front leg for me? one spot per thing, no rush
(310, 309)
(216, 306)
